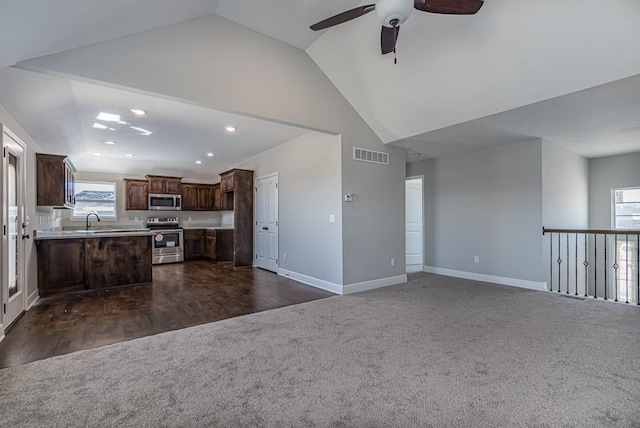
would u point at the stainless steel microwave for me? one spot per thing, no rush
(160, 202)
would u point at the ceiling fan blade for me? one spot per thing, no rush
(452, 7)
(388, 39)
(343, 17)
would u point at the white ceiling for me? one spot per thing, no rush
(59, 114)
(33, 28)
(595, 122)
(515, 71)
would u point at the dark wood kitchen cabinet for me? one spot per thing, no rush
(194, 244)
(219, 244)
(210, 244)
(72, 265)
(61, 266)
(190, 197)
(243, 191)
(118, 261)
(197, 197)
(136, 194)
(222, 201)
(165, 185)
(55, 181)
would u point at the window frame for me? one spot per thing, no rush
(74, 217)
(614, 216)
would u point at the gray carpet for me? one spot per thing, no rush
(437, 351)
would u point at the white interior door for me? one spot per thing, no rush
(414, 224)
(13, 228)
(267, 222)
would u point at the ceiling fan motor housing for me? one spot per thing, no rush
(392, 13)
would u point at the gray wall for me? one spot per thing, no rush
(485, 203)
(565, 188)
(309, 188)
(213, 62)
(605, 174)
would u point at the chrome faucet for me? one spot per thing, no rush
(87, 225)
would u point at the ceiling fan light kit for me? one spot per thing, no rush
(393, 13)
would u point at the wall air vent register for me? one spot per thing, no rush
(370, 156)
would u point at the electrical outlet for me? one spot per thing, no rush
(476, 259)
(393, 261)
(332, 218)
(284, 256)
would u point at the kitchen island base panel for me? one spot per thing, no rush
(77, 264)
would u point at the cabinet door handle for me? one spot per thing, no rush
(25, 236)
(265, 228)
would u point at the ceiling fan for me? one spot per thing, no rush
(392, 13)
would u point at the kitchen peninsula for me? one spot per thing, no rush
(71, 261)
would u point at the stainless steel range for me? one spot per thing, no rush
(167, 239)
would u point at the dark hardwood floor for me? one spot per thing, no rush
(182, 295)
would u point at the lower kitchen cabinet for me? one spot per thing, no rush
(61, 266)
(194, 244)
(70, 265)
(118, 261)
(219, 244)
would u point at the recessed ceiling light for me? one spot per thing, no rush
(108, 117)
(230, 128)
(198, 162)
(122, 122)
(100, 126)
(142, 131)
(111, 143)
(138, 111)
(129, 155)
(210, 155)
(98, 154)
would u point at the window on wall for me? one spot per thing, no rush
(626, 208)
(95, 197)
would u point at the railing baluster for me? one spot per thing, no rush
(551, 262)
(576, 264)
(567, 243)
(586, 266)
(606, 267)
(559, 266)
(615, 269)
(595, 266)
(626, 267)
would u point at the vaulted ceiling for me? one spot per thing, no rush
(514, 71)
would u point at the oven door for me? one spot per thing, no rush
(167, 246)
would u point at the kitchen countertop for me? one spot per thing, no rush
(95, 233)
(206, 227)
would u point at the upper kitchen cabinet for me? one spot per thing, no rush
(165, 185)
(55, 181)
(197, 197)
(222, 201)
(137, 194)
(226, 181)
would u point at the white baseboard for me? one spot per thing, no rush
(32, 299)
(309, 280)
(371, 285)
(514, 282)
